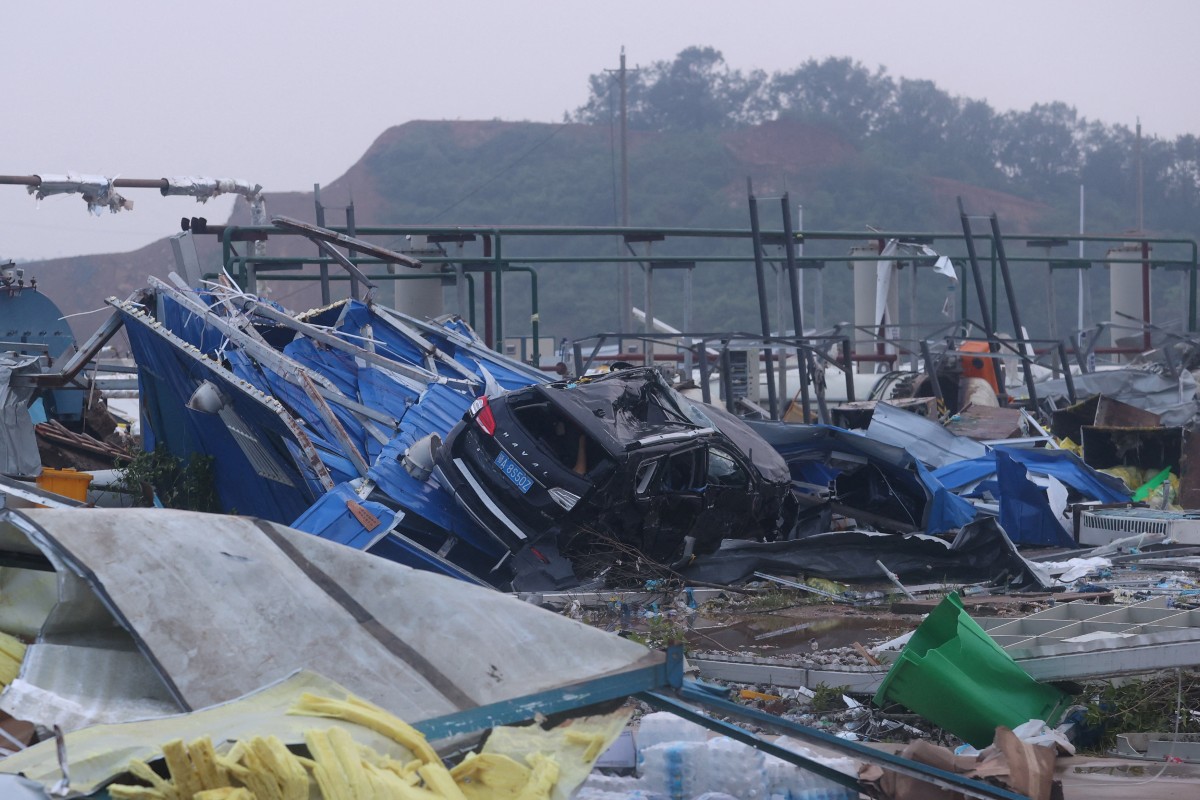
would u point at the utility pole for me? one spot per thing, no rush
(1138, 156)
(1141, 229)
(625, 144)
(626, 288)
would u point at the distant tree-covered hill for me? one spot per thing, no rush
(857, 149)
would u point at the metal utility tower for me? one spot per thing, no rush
(626, 287)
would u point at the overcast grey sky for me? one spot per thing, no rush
(288, 94)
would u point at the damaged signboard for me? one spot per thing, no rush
(1033, 486)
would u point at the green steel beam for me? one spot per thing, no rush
(810, 262)
(534, 320)
(228, 233)
(666, 673)
(720, 233)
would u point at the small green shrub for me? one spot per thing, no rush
(189, 486)
(1139, 706)
(828, 698)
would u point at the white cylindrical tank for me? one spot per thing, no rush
(867, 274)
(421, 299)
(865, 279)
(1125, 293)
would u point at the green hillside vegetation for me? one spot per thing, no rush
(856, 148)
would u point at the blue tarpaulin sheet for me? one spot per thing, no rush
(388, 342)
(189, 326)
(1061, 464)
(169, 376)
(299, 404)
(1025, 512)
(394, 343)
(263, 468)
(440, 410)
(819, 454)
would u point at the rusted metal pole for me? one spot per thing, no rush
(1013, 308)
(984, 312)
(763, 310)
(789, 246)
(1146, 343)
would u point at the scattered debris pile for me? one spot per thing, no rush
(386, 443)
(1013, 762)
(115, 681)
(413, 441)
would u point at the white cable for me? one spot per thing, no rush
(1174, 735)
(84, 313)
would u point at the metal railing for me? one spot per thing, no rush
(505, 250)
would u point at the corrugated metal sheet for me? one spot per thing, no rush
(388, 380)
(928, 441)
(251, 602)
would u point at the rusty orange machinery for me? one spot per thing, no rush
(977, 362)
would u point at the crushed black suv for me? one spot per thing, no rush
(616, 461)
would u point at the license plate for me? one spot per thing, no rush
(513, 472)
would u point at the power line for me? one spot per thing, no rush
(502, 170)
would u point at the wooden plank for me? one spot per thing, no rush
(984, 423)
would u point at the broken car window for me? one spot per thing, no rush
(724, 470)
(559, 436)
(685, 471)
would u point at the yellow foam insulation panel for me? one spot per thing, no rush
(12, 653)
(572, 747)
(1134, 477)
(517, 763)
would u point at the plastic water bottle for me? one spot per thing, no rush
(796, 783)
(734, 768)
(608, 787)
(585, 793)
(672, 768)
(663, 726)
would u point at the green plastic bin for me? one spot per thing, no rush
(954, 674)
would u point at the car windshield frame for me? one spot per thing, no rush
(628, 408)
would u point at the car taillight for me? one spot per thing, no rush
(483, 415)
